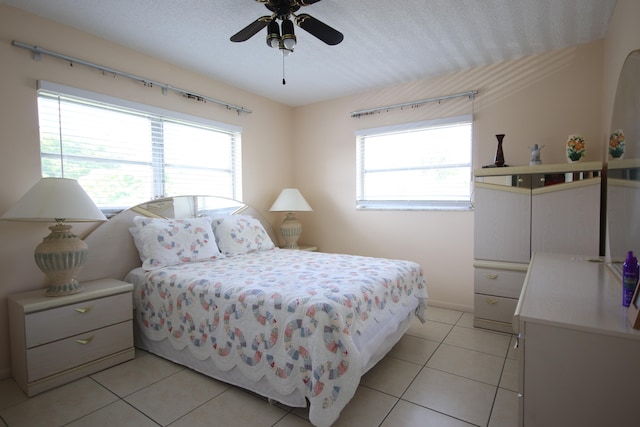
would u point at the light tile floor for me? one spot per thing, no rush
(444, 373)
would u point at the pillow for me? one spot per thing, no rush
(164, 242)
(240, 234)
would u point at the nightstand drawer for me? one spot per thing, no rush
(62, 322)
(494, 308)
(65, 354)
(493, 281)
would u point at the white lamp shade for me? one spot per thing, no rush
(54, 199)
(290, 200)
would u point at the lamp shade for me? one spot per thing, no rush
(53, 199)
(290, 200)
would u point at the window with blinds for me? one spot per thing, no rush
(124, 153)
(425, 165)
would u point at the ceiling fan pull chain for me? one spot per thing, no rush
(284, 82)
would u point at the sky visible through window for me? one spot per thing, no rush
(423, 164)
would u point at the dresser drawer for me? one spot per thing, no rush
(69, 320)
(505, 283)
(494, 308)
(65, 354)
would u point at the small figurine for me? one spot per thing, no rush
(535, 154)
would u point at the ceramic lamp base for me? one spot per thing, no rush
(61, 256)
(72, 287)
(291, 230)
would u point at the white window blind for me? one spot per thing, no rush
(425, 165)
(124, 153)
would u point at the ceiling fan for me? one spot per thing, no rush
(286, 40)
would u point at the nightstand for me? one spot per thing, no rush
(55, 340)
(303, 248)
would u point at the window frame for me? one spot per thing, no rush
(362, 203)
(157, 117)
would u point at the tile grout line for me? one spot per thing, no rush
(495, 395)
(97, 409)
(398, 399)
(497, 387)
(425, 364)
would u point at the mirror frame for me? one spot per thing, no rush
(623, 174)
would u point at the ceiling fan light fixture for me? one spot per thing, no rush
(288, 36)
(289, 42)
(273, 34)
(281, 35)
(285, 51)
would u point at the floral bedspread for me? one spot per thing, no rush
(288, 316)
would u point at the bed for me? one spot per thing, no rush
(213, 293)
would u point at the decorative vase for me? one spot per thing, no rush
(576, 149)
(499, 160)
(616, 145)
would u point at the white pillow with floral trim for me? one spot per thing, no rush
(240, 234)
(164, 242)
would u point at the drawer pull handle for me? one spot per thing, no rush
(492, 301)
(85, 341)
(491, 276)
(84, 309)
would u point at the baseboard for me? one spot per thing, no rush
(450, 306)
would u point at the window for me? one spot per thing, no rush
(425, 165)
(124, 153)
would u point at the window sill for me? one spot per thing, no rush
(390, 206)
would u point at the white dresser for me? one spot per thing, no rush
(579, 359)
(520, 210)
(55, 340)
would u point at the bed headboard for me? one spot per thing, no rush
(111, 249)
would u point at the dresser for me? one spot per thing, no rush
(55, 340)
(521, 210)
(579, 359)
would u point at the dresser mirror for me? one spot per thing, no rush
(623, 165)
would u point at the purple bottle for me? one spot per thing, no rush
(630, 273)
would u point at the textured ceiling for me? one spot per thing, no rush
(385, 42)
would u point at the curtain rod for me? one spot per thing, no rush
(37, 51)
(360, 113)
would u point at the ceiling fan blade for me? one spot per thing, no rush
(251, 30)
(319, 29)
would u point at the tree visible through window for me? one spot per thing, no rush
(123, 156)
(424, 165)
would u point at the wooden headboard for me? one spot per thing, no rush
(112, 252)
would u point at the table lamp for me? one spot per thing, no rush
(290, 200)
(61, 255)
